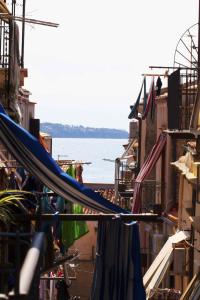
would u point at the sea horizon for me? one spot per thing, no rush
(94, 150)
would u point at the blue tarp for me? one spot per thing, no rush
(32, 156)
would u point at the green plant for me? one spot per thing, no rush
(10, 199)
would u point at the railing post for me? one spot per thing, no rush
(29, 277)
(17, 267)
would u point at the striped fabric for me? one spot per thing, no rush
(148, 104)
(146, 169)
(33, 157)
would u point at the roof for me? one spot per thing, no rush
(44, 134)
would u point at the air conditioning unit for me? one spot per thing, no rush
(157, 242)
(179, 261)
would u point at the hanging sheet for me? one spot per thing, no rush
(117, 273)
(174, 101)
(149, 103)
(134, 108)
(73, 230)
(146, 169)
(32, 156)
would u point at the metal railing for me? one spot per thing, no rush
(188, 89)
(188, 94)
(151, 195)
(4, 44)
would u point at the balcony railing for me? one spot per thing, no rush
(151, 195)
(188, 94)
(4, 44)
(182, 93)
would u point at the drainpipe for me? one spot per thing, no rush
(117, 165)
(140, 143)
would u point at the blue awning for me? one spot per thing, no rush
(33, 157)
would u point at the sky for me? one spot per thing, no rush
(88, 71)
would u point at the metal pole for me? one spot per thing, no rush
(93, 217)
(169, 67)
(140, 145)
(29, 268)
(17, 266)
(199, 48)
(23, 33)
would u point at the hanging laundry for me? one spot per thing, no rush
(146, 169)
(12, 182)
(153, 102)
(117, 272)
(62, 290)
(134, 108)
(3, 178)
(73, 230)
(46, 227)
(43, 142)
(79, 171)
(158, 86)
(150, 102)
(145, 94)
(71, 170)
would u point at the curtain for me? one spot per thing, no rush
(117, 272)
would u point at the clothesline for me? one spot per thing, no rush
(107, 159)
(164, 67)
(151, 74)
(4, 16)
(74, 162)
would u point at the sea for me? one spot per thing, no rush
(101, 153)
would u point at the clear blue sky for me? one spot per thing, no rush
(88, 70)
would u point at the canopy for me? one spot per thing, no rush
(33, 157)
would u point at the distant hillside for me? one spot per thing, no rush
(70, 131)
